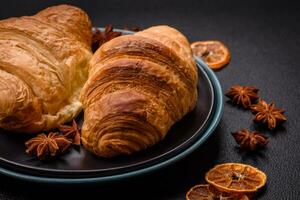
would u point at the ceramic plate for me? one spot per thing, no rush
(80, 166)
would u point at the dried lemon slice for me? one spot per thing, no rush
(236, 178)
(208, 192)
(214, 53)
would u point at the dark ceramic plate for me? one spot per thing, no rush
(80, 165)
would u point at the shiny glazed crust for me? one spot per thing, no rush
(43, 66)
(138, 87)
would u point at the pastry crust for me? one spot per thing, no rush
(43, 66)
(138, 87)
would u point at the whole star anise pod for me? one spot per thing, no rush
(100, 37)
(243, 95)
(44, 146)
(250, 140)
(134, 28)
(268, 113)
(71, 132)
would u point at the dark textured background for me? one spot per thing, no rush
(264, 39)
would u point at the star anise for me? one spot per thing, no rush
(100, 37)
(71, 132)
(268, 113)
(243, 95)
(250, 140)
(44, 146)
(134, 28)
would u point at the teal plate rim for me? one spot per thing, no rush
(217, 114)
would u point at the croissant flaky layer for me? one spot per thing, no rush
(43, 66)
(138, 87)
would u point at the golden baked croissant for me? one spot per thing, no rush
(138, 87)
(43, 66)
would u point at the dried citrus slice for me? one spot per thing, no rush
(236, 178)
(208, 192)
(214, 53)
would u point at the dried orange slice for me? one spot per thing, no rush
(214, 53)
(208, 192)
(236, 178)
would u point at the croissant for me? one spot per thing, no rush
(43, 66)
(138, 87)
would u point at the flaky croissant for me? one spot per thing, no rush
(43, 66)
(138, 87)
